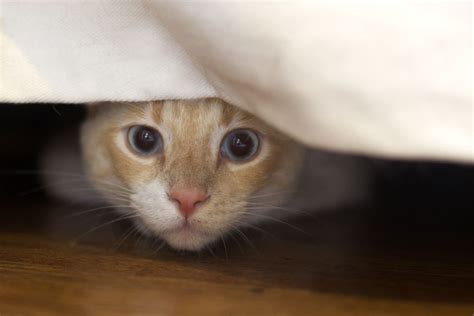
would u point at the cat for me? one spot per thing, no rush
(192, 171)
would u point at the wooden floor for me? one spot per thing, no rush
(347, 263)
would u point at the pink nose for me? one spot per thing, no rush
(188, 199)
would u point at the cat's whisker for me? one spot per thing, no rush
(120, 199)
(113, 207)
(75, 204)
(212, 252)
(68, 174)
(258, 196)
(40, 172)
(269, 208)
(114, 193)
(47, 186)
(259, 229)
(161, 245)
(225, 247)
(245, 238)
(116, 187)
(127, 234)
(113, 187)
(275, 220)
(79, 213)
(44, 172)
(139, 239)
(106, 224)
(231, 235)
(89, 189)
(263, 206)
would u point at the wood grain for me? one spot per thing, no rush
(348, 263)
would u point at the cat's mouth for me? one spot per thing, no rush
(184, 228)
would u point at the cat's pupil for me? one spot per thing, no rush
(242, 144)
(144, 140)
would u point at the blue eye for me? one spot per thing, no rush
(240, 145)
(145, 140)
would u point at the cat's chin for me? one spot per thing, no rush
(188, 239)
(185, 237)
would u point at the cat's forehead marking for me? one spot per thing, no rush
(190, 121)
(187, 129)
(155, 110)
(228, 115)
(189, 114)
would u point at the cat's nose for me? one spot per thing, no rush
(188, 199)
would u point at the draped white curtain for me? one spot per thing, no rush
(381, 79)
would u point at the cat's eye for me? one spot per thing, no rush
(240, 145)
(144, 140)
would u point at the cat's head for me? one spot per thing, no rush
(189, 171)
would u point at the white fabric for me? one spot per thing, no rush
(381, 79)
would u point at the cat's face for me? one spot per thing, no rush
(191, 171)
